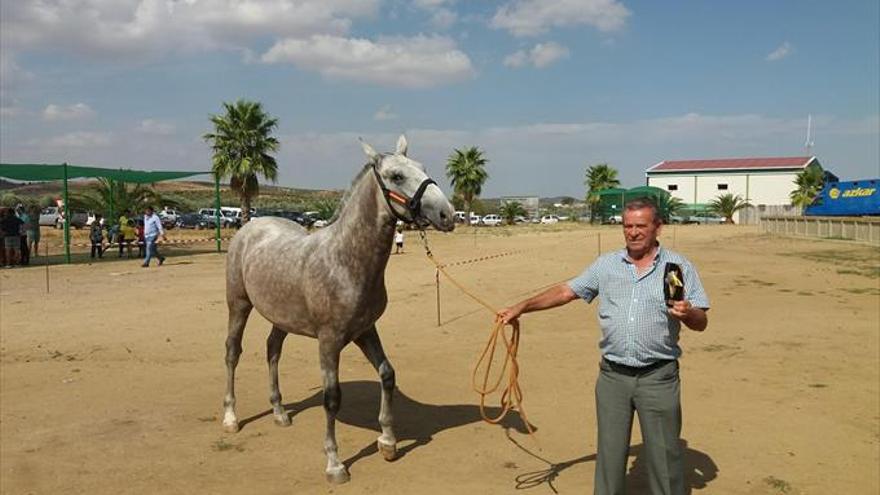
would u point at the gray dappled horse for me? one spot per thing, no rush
(329, 285)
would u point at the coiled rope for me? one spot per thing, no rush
(511, 395)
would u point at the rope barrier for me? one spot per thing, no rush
(135, 244)
(511, 395)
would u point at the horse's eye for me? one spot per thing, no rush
(397, 177)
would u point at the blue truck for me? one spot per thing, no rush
(847, 198)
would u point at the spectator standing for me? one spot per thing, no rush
(10, 228)
(23, 246)
(126, 233)
(140, 237)
(398, 240)
(152, 231)
(33, 233)
(96, 235)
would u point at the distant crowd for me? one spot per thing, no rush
(20, 236)
(20, 230)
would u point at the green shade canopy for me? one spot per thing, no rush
(47, 172)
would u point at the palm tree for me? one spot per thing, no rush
(600, 176)
(242, 142)
(809, 183)
(108, 194)
(511, 210)
(726, 205)
(670, 206)
(466, 169)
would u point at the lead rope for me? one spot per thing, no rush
(511, 396)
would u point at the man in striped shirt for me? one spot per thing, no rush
(639, 346)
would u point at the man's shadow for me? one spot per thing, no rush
(699, 470)
(415, 423)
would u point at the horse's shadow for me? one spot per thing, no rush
(415, 423)
(699, 470)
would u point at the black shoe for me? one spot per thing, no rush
(161, 260)
(145, 265)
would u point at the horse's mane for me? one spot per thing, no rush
(347, 196)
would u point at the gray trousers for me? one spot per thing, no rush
(655, 396)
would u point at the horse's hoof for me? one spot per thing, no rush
(388, 450)
(231, 427)
(283, 420)
(338, 476)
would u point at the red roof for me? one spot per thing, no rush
(787, 162)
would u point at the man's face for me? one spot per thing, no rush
(148, 211)
(640, 229)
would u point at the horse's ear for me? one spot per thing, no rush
(371, 153)
(401, 145)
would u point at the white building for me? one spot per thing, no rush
(764, 182)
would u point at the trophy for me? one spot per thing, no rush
(673, 284)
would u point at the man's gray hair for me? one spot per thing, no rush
(642, 203)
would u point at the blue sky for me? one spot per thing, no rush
(545, 88)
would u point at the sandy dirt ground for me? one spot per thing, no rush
(113, 382)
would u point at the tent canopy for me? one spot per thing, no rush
(65, 172)
(46, 172)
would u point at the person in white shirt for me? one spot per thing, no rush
(398, 240)
(152, 230)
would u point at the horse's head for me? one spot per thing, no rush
(411, 195)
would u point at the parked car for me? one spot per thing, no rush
(459, 216)
(225, 221)
(492, 220)
(698, 219)
(53, 216)
(549, 219)
(298, 217)
(168, 215)
(520, 219)
(475, 219)
(614, 219)
(194, 221)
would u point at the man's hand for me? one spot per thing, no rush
(680, 309)
(511, 314)
(694, 318)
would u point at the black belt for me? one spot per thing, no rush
(636, 370)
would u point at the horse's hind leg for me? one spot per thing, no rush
(239, 309)
(336, 471)
(273, 354)
(372, 347)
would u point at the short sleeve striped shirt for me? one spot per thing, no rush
(636, 327)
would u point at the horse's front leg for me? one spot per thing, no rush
(372, 348)
(336, 471)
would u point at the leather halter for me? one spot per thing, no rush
(412, 205)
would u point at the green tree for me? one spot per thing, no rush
(670, 206)
(726, 205)
(809, 184)
(108, 194)
(466, 169)
(241, 143)
(511, 210)
(600, 176)
(326, 208)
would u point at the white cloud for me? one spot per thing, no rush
(78, 139)
(442, 17)
(77, 111)
(417, 62)
(533, 17)
(157, 127)
(780, 53)
(12, 75)
(384, 113)
(132, 27)
(540, 56)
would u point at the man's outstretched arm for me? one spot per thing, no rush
(550, 298)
